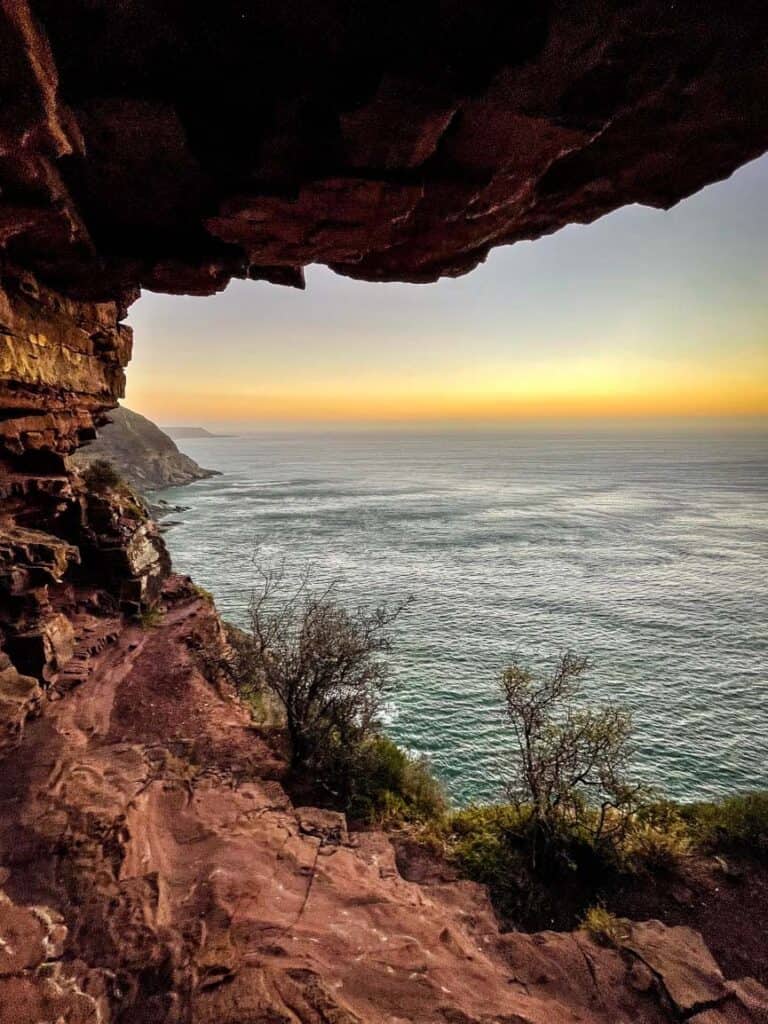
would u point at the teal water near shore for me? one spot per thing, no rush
(646, 552)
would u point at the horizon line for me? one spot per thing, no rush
(729, 422)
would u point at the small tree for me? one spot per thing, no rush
(100, 475)
(324, 664)
(570, 763)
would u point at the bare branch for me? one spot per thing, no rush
(569, 763)
(323, 662)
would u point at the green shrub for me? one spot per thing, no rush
(491, 844)
(656, 839)
(487, 839)
(570, 765)
(202, 593)
(358, 770)
(389, 786)
(325, 665)
(101, 475)
(152, 617)
(485, 842)
(739, 821)
(649, 848)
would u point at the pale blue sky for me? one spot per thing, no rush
(643, 298)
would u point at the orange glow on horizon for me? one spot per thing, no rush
(641, 315)
(604, 387)
(425, 408)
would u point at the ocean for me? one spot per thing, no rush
(645, 552)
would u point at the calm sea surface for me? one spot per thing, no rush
(646, 553)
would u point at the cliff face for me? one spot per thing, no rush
(61, 366)
(146, 457)
(153, 868)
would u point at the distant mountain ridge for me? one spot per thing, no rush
(179, 433)
(144, 455)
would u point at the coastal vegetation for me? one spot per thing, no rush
(735, 823)
(151, 617)
(391, 787)
(569, 771)
(493, 844)
(100, 476)
(325, 669)
(575, 827)
(324, 665)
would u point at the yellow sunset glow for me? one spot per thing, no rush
(589, 388)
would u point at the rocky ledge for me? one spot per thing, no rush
(154, 870)
(144, 144)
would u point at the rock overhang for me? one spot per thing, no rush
(173, 147)
(160, 145)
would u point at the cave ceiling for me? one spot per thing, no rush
(174, 146)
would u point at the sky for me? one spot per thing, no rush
(645, 315)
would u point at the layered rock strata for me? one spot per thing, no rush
(61, 366)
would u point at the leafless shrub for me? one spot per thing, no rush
(324, 664)
(571, 763)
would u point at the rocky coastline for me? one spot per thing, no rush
(144, 455)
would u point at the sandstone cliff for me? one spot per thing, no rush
(146, 457)
(153, 868)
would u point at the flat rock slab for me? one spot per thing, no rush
(681, 962)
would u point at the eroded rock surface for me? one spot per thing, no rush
(145, 143)
(61, 366)
(154, 870)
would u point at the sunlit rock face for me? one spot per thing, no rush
(61, 366)
(152, 869)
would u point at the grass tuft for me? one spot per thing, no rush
(737, 822)
(152, 617)
(605, 927)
